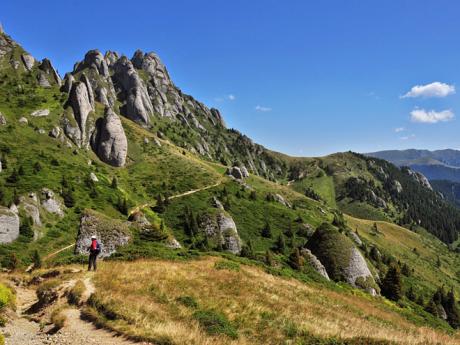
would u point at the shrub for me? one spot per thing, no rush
(47, 292)
(58, 319)
(187, 301)
(215, 323)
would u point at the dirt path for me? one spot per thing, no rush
(140, 207)
(21, 331)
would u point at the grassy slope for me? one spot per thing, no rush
(158, 301)
(400, 242)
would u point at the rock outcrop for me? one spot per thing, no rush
(49, 72)
(109, 140)
(2, 120)
(9, 225)
(40, 113)
(111, 233)
(342, 260)
(80, 101)
(221, 229)
(420, 178)
(314, 262)
(235, 172)
(28, 61)
(50, 204)
(30, 206)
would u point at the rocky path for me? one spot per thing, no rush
(140, 207)
(22, 331)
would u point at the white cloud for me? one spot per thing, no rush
(435, 89)
(431, 116)
(262, 109)
(231, 97)
(399, 129)
(407, 137)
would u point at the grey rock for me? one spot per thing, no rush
(354, 236)
(2, 120)
(314, 262)
(68, 82)
(80, 102)
(50, 204)
(41, 131)
(28, 61)
(111, 233)
(397, 186)
(23, 120)
(146, 141)
(55, 132)
(217, 204)
(43, 81)
(173, 243)
(109, 140)
(9, 225)
(47, 67)
(93, 177)
(420, 178)
(157, 142)
(40, 113)
(235, 172)
(94, 60)
(15, 64)
(244, 172)
(84, 79)
(222, 228)
(357, 267)
(280, 199)
(30, 206)
(138, 106)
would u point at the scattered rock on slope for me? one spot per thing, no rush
(111, 233)
(40, 113)
(109, 140)
(9, 225)
(2, 120)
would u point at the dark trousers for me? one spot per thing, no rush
(92, 261)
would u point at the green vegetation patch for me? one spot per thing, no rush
(215, 323)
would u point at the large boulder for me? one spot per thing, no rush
(111, 233)
(235, 172)
(28, 61)
(314, 262)
(221, 229)
(2, 120)
(342, 260)
(50, 203)
(50, 72)
(9, 225)
(40, 113)
(109, 140)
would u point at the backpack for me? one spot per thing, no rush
(96, 250)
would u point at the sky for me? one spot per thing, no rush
(306, 78)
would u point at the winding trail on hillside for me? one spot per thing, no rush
(22, 330)
(140, 207)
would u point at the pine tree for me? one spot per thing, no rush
(26, 228)
(21, 171)
(13, 178)
(392, 285)
(411, 294)
(269, 258)
(453, 314)
(280, 245)
(296, 261)
(432, 308)
(37, 167)
(405, 270)
(247, 250)
(37, 260)
(267, 231)
(114, 183)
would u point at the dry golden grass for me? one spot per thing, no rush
(266, 309)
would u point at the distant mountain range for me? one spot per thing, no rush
(435, 165)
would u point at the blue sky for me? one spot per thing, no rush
(301, 77)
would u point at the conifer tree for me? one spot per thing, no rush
(451, 308)
(37, 260)
(296, 261)
(392, 285)
(267, 231)
(280, 245)
(269, 258)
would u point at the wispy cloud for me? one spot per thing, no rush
(262, 109)
(407, 137)
(399, 129)
(229, 97)
(373, 95)
(436, 89)
(431, 116)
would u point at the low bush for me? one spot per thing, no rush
(76, 292)
(215, 323)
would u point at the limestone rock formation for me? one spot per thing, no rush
(30, 206)
(9, 225)
(354, 236)
(111, 233)
(314, 262)
(342, 260)
(109, 140)
(235, 172)
(55, 132)
(49, 72)
(50, 204)
(221, 228)
(420, 178)
(80, 101)
(28, 61)
(138, 106)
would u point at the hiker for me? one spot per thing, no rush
(94, 250)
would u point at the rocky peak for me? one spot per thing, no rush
(48, 69)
